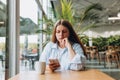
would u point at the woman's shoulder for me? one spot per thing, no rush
(76, 45)
(50, 43)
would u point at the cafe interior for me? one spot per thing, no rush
(97, 23)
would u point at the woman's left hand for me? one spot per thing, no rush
(66, 42)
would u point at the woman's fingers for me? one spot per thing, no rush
(63, 42)
(66, 42)
(53, 66)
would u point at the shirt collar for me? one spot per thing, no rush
(55, 45)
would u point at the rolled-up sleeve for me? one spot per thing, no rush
(78, 61)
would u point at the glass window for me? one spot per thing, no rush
(3, 16)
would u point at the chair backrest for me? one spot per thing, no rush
(94, 49)
(110, 47)
(117, 48)
(87, 48)
(111, 50)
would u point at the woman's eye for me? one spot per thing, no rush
(61, 31)
(57, 31)
(64, 31)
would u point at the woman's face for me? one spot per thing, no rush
(61, 32)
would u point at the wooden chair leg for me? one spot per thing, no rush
(117, 60)
(105, 60)
(98, 58)
(108, 60)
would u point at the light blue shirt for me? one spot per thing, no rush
(52, 51)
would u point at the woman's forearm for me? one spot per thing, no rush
(71, 51)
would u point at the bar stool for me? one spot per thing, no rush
(88, 49)
(111, 55)
(117, 48)
(94, 53)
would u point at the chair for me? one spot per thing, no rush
(117, 48)
(88, 50)
(112, 55)
(94, 53)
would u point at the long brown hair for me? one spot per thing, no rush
(72, 35)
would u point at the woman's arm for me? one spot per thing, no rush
(70, 48)
(77, 61)
(71, 52)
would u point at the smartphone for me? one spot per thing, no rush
(54, 61)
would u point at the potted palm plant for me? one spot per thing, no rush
(67, 12)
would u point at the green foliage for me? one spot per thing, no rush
(113, 40)
(27, 26)
(103, 42)
(100, 42)
(88, 16)
(84, 39)
(67, 11)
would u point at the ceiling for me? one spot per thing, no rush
(110, 9)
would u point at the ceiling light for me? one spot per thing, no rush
(115, 18)
(118, 14)
(1, 22)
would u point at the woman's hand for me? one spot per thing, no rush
(65, 42)
(53, 65)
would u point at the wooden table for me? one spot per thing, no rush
(92, 74)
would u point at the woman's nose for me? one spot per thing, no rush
(61, 33)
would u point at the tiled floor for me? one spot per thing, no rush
(112, 71)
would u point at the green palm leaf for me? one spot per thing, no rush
(67, 11)
(88, 9)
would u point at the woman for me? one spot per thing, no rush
(66, 47)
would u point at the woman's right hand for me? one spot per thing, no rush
(53, 65)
